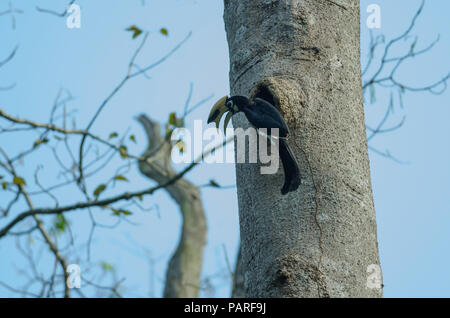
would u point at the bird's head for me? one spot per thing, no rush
(232, 105)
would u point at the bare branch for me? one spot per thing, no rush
(61, 14)
(99, 203)
(10, 57)
(11, 11)
(84, 133)
(390, 81)
(118, 87)
(387, 155)
(41, 228)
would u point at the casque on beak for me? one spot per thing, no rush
(217, 112)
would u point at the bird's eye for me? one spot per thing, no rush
(229, 104)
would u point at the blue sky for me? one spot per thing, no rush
(411, 199)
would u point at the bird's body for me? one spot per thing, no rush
(262, 114)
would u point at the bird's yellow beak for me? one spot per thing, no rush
(227, 119)
(217, 112)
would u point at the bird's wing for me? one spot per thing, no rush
(263, 114)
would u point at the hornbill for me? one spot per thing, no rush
(261, 114)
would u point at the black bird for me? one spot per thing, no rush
(261, 114)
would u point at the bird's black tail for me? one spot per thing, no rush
(292, 178)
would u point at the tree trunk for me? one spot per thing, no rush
(184, 269)
(304, 57)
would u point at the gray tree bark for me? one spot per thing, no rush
(304, 57)
(184, 269)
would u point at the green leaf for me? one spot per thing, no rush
(168, 132)
(4, 185)
(175, 121)
(120, 178)
(19, 181)
(164, 31)
(133, 138)
(99, 190)
(136, 31)
(113, 135)
(123, 151)
(40, 141)
(140, 197)
(181, 146)
(115, 211)
(106, 266)
(118, 212)
(60, 223)
(172, 119)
